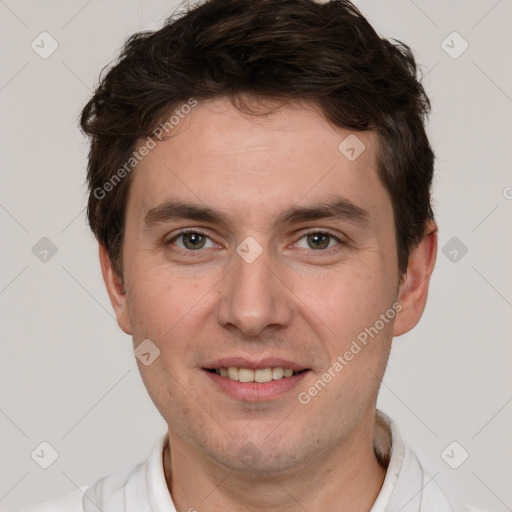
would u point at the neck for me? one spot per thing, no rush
(350, 475)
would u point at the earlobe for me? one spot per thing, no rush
(413, 290)
(115, 289)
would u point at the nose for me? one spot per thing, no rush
(254, 297)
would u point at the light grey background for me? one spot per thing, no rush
(68, 375)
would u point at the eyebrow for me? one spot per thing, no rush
(338, 209)
(174, 210)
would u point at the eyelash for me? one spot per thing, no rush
(323, 252)
(186, 232)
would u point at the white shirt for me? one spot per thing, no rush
(406, 488)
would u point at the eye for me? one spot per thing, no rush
(192, 241)
(317, 241)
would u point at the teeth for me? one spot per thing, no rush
(277, 373)
(260, 375)
(245, 375)
(263, 375)
(233, 373)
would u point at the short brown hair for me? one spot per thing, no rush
(327, 54)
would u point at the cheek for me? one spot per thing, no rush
(152, 288)
(169, 309)
(349, 299)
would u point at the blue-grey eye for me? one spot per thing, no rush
(192, 240)
(317, 241)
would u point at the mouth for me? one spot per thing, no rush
(260, 375)
(255, 381)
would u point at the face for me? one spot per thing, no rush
(253, 243)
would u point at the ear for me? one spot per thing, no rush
(413, 290)
(115, 289)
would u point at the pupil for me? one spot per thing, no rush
(318, 241)
(193, 240)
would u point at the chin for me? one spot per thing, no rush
(250, 460)
(260, 457)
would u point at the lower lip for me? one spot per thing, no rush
(256, 391)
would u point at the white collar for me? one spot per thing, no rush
(406, 488)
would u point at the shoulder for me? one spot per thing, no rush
(433, 499)
(69, 502)
(98, 495)
(131, 489)
(106, 494)
(407, 486)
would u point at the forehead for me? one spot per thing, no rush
(228, 159)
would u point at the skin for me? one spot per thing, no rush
(294, 301)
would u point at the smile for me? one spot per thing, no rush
(260, 375)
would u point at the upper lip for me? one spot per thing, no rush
(255, 364)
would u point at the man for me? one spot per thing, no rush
(259, 182)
